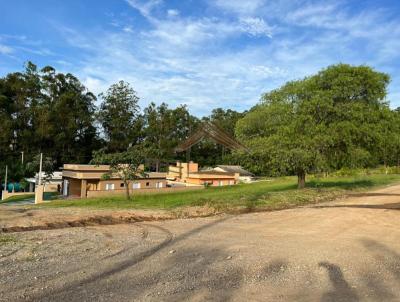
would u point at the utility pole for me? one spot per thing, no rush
(22, 157)
(40, 169)
(5, 184)
(39, 189)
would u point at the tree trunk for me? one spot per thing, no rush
(301, 180)
(128, 197)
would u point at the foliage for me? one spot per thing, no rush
(45, 111)
(119, 116)
(163, 129)
(334, 119)
(207, 152)
(125, 165)
(337, 119)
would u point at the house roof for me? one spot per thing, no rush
(235, 169)
(97, 172)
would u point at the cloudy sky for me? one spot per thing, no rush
(203, 53)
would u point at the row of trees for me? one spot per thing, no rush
(338, 118)
(44, 111)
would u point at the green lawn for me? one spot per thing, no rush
(19, 197)
(278, 193)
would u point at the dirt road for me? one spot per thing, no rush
(347, 250)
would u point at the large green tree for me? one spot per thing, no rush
(119, 116)
(324, 122)
(163, 129)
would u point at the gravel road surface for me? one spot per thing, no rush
(347, 250)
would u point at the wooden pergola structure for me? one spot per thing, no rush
(214, 132)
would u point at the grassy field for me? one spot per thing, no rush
(18, 198)
(278, 193)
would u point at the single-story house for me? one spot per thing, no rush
(87, 181)
(212, 178)
(244, 175)
(53, 184)
(189, 173)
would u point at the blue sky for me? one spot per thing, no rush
(204, 53)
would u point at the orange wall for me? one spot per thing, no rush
(213, 182)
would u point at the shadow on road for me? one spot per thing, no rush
(341, 290)
(382, 252)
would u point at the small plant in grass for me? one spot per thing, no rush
(7, 239)
(250, 205)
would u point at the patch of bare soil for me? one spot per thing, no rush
(347, 250)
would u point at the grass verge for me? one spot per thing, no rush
(18, 198)
(278, 193)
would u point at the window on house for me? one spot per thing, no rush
(159, 185)
(147, 184)
(109, 187)
(136, 185)
(122, 185)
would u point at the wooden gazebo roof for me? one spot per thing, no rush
(215, 133)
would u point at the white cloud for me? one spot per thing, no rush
(145, 7)
(189, 60)
(159, 73)
(128, 29)
(256, 27)
(173, 12)
(5, 50)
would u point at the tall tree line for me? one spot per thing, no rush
(42, 110)
(338, 118)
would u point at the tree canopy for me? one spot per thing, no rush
(337, 118)
(45, 111)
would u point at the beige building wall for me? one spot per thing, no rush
(182, 170)
(211, 181)
(83, 179)
(93, 194)
(82, 187)
(145, 183)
